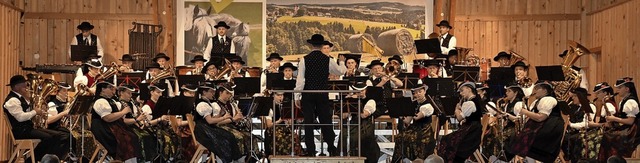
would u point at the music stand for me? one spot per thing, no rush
(82, 105)
(271, 77)
(410, 80)
(356, 79)
(263, 105)
(80, 52)
(144, 91)
(190, 79)
(498, 78)
(246, 86)
(163, 106)
(286, 112)
(401, 107)
(131, 78)
(218, 58)
(183, 105)
(550, 73)
(466, 73)
(349, 105)
(428, 46)
(440, 86)
(338, 85)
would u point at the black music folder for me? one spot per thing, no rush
(374, 93)
(246, 86)
(428, 46)
(501, 76)
(182, 105)
(440, 86)
(190, 79)
(338, 85)
(466, 73)
(80, 52)
(163, 107)
(218, 58)
(83, 105)
(550, 73)
(410, 80)
(399, 107)
(272, 77)
(262, 106)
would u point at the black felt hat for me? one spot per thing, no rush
(396, 58)
(287, 65)
(274, 56)
(316, 39)
(237, 59)
(94, 63)
(127, 57)
(564, 53)
(161, 55)
(85, 26)
(198, 58)
(375, 62)
(444, 23)
(222, 24)
(16, 79)
(580, 90)
(519, 63)
(604, 86)
(154, 65)
(500, 55)
(624, 81)
(328, 43)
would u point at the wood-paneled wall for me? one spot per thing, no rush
(9, 54)
(536, 29)
(616, 31)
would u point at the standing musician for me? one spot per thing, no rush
(136, 121)
(380, 79)
(545, 127)
(219, 44)
(89, 78)
(227, 106)
(459, 145)
(108, 126)
(522, 77)
(313, 72)
(238, 71)
(127, 63)
(87, 38)
(366, 134)
(18, 110)
(509, 118)
(283, 133)
(583, 130)
(622, 139)
(209, 131)
(417, 141)
(447, 41)
(503, 58)
(584, 82)
(198, 61)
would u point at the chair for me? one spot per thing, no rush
(436, 130)
(486, 119)
(566, 124)
(99, 147)
(200, 150)
(21, 145)
(394, 125)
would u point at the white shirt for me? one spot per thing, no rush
(334, 68)
(53, 109)
(369, 82)
(426, 110)
(14, 106)
(205, 108)
(74, 41)
(582, 123)
(546, 105)
(518, 107)
(630, 107)
(207, 51)
(146, 110)
(468, 107)
(102, 107)
(452, 44)
(490, 108)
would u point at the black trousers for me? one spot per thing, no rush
(316, 105)
(51, 141)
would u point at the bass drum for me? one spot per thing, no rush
(419, 68)
(254, 71)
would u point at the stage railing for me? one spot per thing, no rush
(293, 117)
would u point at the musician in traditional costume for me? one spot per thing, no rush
(127, 63)
(522, 77)
(198, 62)
(283, 134)
(56, 105)
(153, 70)
(366, 135)
(582, 130)
(159, 124)
(396, 62)
(90, 77)
(584, 82)
(274, 60)
(380, 79)
(225, 105)
(417, 140)
(503, 59)
(136, 121)
(219, 44)
(17, 109)
(108, 126)
(237, 63)
(447, 41)
(435, 69)
(84, 69)
(452, 60)
(352, 64)
(459, 145)
(87, 38)
(540, 139)
(621, 139)
(210, 71)
(187, 90)
(509, 118)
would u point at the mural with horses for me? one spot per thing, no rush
(196, 21)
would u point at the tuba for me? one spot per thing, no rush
(572, 77)
(44, 88)
(515, 57)
(164, 74)
(226, 70)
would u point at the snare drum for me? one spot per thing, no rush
(419, 68)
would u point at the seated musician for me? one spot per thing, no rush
(83, 69)
(582, 129)
(452, 60)
(287, 70)
(435, 69)
(380, 79)
(89, 79)
(236, 64)
(604, 98)
(522, 77)
(584, 82)
(545, 127)
(511, 120)
(163, 63)
(274, 60)
(56, 110)
(198, 61)
(352, 64)
(368, 138)
(239, 129)
(459, 145)
(187, 90)
(155, 90)
(417, 141)
(503, 59)
(153, 70)
(621, 139)
(169, 140)
(18, 110)
(490, 106)
(108, 126)
(395, 61)
(127, 63)
(135, 120)
(283, 133)
(210, 71)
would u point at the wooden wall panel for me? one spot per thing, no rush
(615, 31)
(9, 46)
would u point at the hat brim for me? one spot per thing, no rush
(165, 57)
(152, 86)
(315, 42)
(496, 58)
(396, 59)
(623, 83)
(225, 26)
(85, 27)
(294, 68)
(194, 60)
(446, 25)
(150, 67)
(128, 59)
(371, 65)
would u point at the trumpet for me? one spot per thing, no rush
(271, 69)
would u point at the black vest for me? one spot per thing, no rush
(426, 119)
(620, 113)
(112, 103)
(316, 71)
(509, 109)
(196, 116)
(445, 41)
(60, 108)
(218, 47)
(80, 40)
(476, 115)
(554, 112)
(386, 88)
(15, 125)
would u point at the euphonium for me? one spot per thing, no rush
(515, 57)
(572, 77)
(39, 101)
(164, 74)
(64, 122)
(226, 70)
